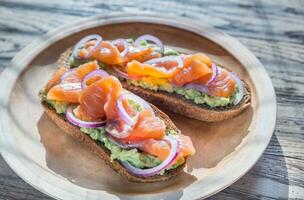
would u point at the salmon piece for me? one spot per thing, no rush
(198, 56)
(147, 126)
(107, 53)
(158, 148)
(69, 89)
(203, 80)
(56, 78)
(137, 68)
(185, 145)
(140, 55)
(161, 149)
(129, 109)
(224, 85)
(65, 92)
(98, 101)
(86, 68)
(192, 71)
(92, 100)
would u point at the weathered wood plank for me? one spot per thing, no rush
(273, 30)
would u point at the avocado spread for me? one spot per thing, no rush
(133, 156)
(191, 94)
(138, 159)
(59, 106)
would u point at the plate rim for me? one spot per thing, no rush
(22, 59)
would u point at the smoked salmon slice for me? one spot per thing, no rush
(56, 78)
(224, 85)
(198, 56)
(69, 88)
(140, 55)
(137, 68)
(107, 53)
(110, 54)
(98, 101)
(161, 148)
(194, 70)
(147, 126)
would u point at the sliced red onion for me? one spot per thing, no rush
(155, 62)
(122, 74)
(240, 86)
(84, 124)
(101, 73)
(150, 38)
(215, 73)
(125, 131)
(125, 44)
(70, 86)
(84, 40)
(67, 73)
(164, 165)
(199, 87)
(131, 121)
(124, 145)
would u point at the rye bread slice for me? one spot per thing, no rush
(178, 103)
(102, 152)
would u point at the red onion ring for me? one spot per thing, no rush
(124, 145)
(125, 43)
(67, 73)
(155, 170)
(111, 128)
(215, 73)
(84, 124)
(240, 86)
(70, 86)
(88, 38)
(199, 87)
(131, 121)
(150, 38)
(122, 74)
(177, 59)
(101, 73)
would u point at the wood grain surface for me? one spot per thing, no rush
(272, 30)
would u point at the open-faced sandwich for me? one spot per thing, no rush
(132, 136)
(191, 85)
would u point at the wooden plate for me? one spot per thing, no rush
(59, 166)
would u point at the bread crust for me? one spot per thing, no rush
(102, 152)
(178, 103)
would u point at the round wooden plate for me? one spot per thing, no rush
(59, 166)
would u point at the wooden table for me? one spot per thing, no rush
(273, 30)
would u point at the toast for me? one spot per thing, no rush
(178, 103)
(100, 150)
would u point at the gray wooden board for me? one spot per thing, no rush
(272, 30)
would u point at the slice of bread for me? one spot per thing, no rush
(178, 103)
(102, 152)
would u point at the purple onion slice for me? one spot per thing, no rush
(240, 87)
(84, 124)
(67, 73)
(199, 87)
(158, 61)
(124, 145)
(84, 40)
(117, 72)
(150, 38)
(70, 86)
(125, 131)
(125, 44)
(164, 165)
(215, 73)
(101, 73)
(131, 121)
